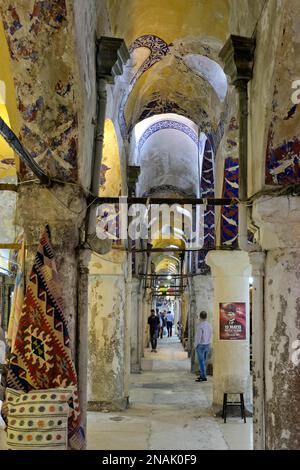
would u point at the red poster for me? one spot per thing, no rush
(233, 320)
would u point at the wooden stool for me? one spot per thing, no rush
(239, 403)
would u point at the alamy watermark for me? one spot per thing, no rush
(123, 221)
(296, 94)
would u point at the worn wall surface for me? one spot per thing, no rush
(279, 225)
(231, 361)
(40, 37)
(282, 366)
(107, 339)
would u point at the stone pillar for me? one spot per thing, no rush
(203, 293)
(145, 313)
(136, 327)
(128, 293)
(82, 336)
(257, 260)
(231, 359)
(108, 333)
(192, 313)
(63, 208)
(185, 323)
(279, 233)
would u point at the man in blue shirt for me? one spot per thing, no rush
(203, 339)
(170, 319)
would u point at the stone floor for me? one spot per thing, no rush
(168, 411)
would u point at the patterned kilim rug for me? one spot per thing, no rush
(41, 356)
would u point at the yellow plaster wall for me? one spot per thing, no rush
(168, 19)
(110, 158)
(8, 111)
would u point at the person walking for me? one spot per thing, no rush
(170, 319)
(203, 339)
(154, 324)
(162, 323)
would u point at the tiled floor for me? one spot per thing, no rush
(168, 410)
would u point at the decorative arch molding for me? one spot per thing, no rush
(229, 214)
(158, 49)
(180, 50)
(167, 124)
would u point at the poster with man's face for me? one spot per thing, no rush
(233, 320)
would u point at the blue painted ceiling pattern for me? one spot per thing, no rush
(229, 214)
(207, 190)
(158, 49)
(167, 124)
(158, 105)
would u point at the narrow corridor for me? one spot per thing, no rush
(168, 410)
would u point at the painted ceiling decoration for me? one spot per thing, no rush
(210, 71)
(158, 49)
(229, 214)
(167, 124)
(207, 190)
(162, 89)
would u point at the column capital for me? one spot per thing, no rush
(278, 219)
(237, 55)
(112, 54)
(257, 261)
(228, 263)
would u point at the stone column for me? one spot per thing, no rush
(185, 323)
(63, 208)
(136, 327)
(257, 260)
(108, 333)
(192, 313)
(231, 359)
(279, 221)
(146, 309)
(82, 336)
(203, 292)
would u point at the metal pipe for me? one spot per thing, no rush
(8, 187)
(25, 156)
(168, 201)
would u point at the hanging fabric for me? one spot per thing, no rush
(41, 355)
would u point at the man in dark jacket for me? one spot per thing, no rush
(154, 323)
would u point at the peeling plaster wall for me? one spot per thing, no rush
(283, 149)
(244, 15)
(107, 338)
(267, 24)
(85, 18)
(282, 304)
(40, 37)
